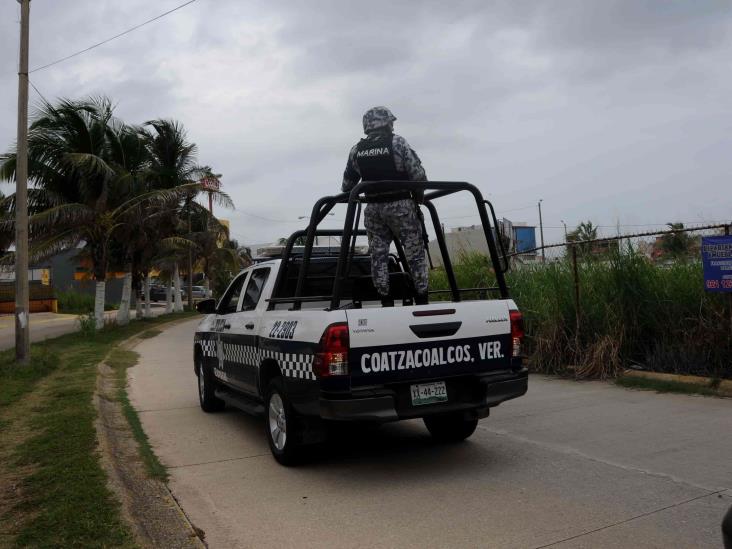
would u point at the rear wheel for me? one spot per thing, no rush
(283, 427)
(450, 427)
(206, 390)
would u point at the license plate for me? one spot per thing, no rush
(429, 393)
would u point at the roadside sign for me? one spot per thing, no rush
(211, 184)
(717, 262)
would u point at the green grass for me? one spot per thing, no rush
(631, 311)
(665, 386)
(78, 303)
(120, 360)
(17, 381)
(66, 500)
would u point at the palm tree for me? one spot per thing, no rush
(172, 163)
(677, 243)
(83, 192)
(212, 250)
(585, 231)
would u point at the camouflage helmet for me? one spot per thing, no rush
(377, 117)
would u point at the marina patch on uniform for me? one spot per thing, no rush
(376, 151)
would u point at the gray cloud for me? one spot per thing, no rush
(612, 110)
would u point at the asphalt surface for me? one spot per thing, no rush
(569, 465)
(48, 325)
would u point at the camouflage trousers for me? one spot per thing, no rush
(385, 221)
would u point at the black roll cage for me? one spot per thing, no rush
(431, 190)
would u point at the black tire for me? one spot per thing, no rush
(282, 425)
(206, 390)
(450, 427)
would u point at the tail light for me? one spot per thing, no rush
(517, 331)
(332, 356)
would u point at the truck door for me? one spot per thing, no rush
(226, 311)
(240, 339)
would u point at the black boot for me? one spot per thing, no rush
(421, 299)
(387, 302)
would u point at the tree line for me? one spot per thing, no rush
(124, 194)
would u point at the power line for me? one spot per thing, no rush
(501, 212)
(256, 216)
(37, 90)
(112, 38)
(691, 223)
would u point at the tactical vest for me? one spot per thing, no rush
(375, 159)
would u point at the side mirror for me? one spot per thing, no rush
(206, 306)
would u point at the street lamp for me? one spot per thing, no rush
(316, 236)
(565, 229)
(541, 232)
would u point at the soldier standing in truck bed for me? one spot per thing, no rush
(384, 156)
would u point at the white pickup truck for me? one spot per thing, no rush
(304, 339)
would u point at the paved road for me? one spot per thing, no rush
(570, 465)
(47, 325)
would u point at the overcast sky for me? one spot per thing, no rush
(613, 111)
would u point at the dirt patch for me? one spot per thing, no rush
(147, 504)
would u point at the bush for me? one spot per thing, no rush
(72, 302)
(632, 313)
(78, 303)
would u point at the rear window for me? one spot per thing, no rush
(321, 274)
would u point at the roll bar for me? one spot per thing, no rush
(432, 190)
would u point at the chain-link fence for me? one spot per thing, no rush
(596, 306)
(600, 305)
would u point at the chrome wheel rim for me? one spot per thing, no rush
(201, 385)
(277, 422)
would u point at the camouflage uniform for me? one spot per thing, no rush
(386, 220)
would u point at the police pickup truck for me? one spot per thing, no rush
(304, 340)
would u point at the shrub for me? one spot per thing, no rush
(632, 313)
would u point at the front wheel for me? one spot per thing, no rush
(450, 427)
(206, 390)
(282, 425)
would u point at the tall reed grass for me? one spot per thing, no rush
(632, 313)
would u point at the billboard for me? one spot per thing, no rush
(717, 262)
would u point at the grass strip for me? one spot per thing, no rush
(120, 360)
(17, 381)
(666, 386)
(66, 501)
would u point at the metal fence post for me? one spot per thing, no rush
(575, 271)
(729, 294)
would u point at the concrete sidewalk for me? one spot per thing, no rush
(569, 465)
(49, 325)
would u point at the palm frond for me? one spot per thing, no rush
(63, 215)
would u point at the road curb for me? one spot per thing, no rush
(724, 388)
(147, 504)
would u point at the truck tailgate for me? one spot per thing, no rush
(439, 340)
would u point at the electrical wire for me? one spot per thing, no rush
(131, 29)
(38, 91)
(263, 218)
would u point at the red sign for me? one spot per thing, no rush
(210, 183)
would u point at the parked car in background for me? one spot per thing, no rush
(199, 292)
(158, 293)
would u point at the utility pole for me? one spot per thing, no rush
(190, 259)
(541, 233)
(22, 321)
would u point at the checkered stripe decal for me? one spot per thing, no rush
(294, 365)
(208, 347)
(243, 354)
